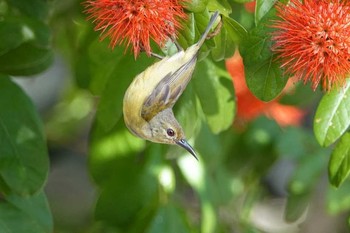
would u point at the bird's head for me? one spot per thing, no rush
(165, 129)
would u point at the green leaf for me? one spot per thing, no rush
(110, 107)
(332, 117)
(109, 148)
(11, 36)
(215, 91)
(17, 30)
(196, 6)
(26, 59)
(126, 196)
(34, 8)
(262, 8)
(226, 41)
(23, 153)
(25, 214)
(224, 48)
(264, 76)
(296, 206)
(220, 5)
(169, 219)
(24, 46)
(339, 163)
(101, 62)
(338, 198)
(235, 31)
(187, 34)
(186, 112)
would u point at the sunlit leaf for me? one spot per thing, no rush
(25, 214)
(339, 163)
(128, 187)
(332, 116)
(23, 153)
(109, 149)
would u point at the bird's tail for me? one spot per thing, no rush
(207, 30)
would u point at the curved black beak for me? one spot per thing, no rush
(183, 143)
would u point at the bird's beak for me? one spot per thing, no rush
(183, 143)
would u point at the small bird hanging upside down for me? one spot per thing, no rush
(149, 99)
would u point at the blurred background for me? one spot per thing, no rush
(260, 168)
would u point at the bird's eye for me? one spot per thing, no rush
(170, 132)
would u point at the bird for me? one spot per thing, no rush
(149, 99)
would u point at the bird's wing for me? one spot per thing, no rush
(168, 90)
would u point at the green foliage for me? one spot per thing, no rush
(24, 50)
(264, 76)
(339, 163)
(23, 153)
(332, 117)
(218, 111)
(148, 187)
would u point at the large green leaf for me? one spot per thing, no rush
(23, 153)
(215, 91)
(100, 63)
(24, 46)
(264, 76)
(11, 35)
(110, 107)
(26, 59)
(339, 163)
(25, 214)
(332, 116)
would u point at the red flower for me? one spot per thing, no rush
(250, 6)
(313, 40)
(135, 22)
(249, 107)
